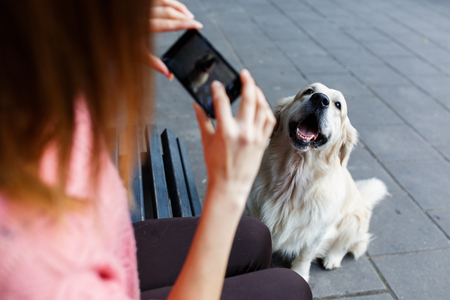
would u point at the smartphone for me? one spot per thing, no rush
(196, 64)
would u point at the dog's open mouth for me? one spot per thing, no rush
(308, 129)
(307, 132)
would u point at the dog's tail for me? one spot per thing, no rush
(372, 191)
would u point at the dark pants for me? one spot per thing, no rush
(162, 246)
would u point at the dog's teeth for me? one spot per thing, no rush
(303, 137)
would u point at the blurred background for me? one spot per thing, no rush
(391, 60)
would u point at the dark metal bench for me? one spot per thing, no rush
(162, 182)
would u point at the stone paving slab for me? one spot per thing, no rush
(366, 110)
(379, 75)
(417, 276)
(335, 40)
(436, 85)
(368, 35)
(406, 98)
(314, 65)
(388, 26)
(351, 278)
(388, 50)
(442, 218)
(364, 57)
(399, 226)
(362, 165)
(412, 65)
(302, 47)
(433, 125)
(264, 56)
(445, 67)
(278, 82)
(427, 182)
(347, 84)
(396, 143)
(445, 150)
(434, 55)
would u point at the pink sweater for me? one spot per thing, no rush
(90, 255)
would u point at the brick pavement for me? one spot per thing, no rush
(391, 59)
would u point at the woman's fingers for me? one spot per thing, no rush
(158, 25)
(176, 5)
(261, 109)
(248, 95)
(264, 118)
(269, 124)
(155, 63)
(204, 122)
(221, 103)
(171, 15)
(168, 13)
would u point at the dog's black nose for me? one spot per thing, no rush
(320, 100)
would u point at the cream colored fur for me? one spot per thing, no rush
(307, 197)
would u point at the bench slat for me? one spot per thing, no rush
(137, 211)
(190, 181)
(156, 185)
(175, 176)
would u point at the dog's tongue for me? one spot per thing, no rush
(305, 133)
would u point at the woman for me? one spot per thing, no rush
(67, 68)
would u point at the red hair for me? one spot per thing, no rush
(50, 51)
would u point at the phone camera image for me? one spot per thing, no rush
(196, 64)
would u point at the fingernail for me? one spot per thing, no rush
(188, 13)
(170, 77)
(197, 24)
(216, 84)
(245, 72)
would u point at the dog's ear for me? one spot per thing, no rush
(277, 112)
(350, 138)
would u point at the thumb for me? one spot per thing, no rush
(204, 122)
(155, 63)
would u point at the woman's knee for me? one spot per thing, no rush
(291, 284)
(252, 248)
(255, 231)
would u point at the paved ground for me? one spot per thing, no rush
(391, 59)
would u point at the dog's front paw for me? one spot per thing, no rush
(332, 261)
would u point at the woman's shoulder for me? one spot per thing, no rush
(46, 254)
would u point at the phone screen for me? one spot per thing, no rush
(196, 64)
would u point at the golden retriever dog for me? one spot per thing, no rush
(304, 192)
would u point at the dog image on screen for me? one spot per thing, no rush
(304, 192)
(200, 74)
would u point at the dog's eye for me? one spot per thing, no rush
(338, 105)
(308, 92)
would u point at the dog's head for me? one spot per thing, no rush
(316, 119)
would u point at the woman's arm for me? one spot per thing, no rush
(233, 154)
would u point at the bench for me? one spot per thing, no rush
(162, 181)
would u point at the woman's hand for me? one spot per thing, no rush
(165, 16)
(171, 15)
(233, 152)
